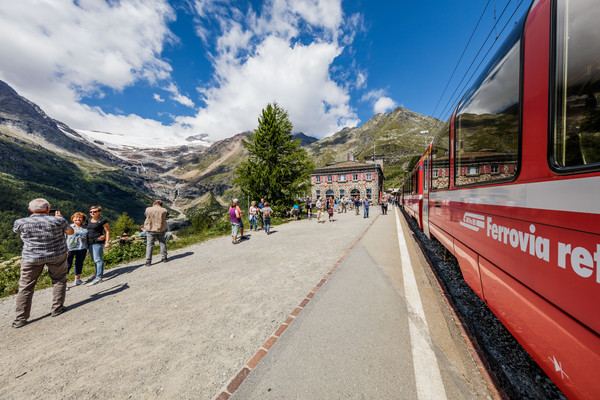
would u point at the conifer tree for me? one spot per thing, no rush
(277, 168)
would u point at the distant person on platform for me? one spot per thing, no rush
(156, 229)
(44, 244)
(384, 205)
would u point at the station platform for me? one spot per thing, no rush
(377, 328)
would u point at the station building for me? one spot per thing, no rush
(349, 178)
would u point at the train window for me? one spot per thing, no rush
(576, 136)
(487, 122)
(408, 183)
(440, 159)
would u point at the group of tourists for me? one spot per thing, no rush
(49, 240)
(256, 213)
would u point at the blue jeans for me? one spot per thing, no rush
(97, 250)
(366, 212)
(253, 222)
(267, 224)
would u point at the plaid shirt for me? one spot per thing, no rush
(43, 237)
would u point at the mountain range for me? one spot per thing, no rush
(43, 157)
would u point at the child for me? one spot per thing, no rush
(330, 212)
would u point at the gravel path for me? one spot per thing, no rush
(177, 330)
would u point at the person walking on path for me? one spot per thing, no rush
(309, 209)
(98, 240)
(253, 214)
(384, 205)
(357, 205)
(366, 207)
(235, 218)
(44, 244)
(261, 205)
(77, 246)
(267, 213)
(237, 206)
(155, 226)
(320, 207)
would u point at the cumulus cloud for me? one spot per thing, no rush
(383, 105)
(59, 53)
(258, 60)
(381, 102)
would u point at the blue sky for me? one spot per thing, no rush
(153, 72)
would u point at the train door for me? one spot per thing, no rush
(425, 175)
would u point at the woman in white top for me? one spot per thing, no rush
(253, 216)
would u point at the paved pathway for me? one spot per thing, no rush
(360, 338)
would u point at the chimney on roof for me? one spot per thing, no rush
(350, 156)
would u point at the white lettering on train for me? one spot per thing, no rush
(584, 262)
(581, 260)
(527, 242)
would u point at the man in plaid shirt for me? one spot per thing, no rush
(44, 244)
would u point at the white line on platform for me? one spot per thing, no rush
(427, 372)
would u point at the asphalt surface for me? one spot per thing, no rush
(353, 340)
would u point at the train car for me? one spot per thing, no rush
(412, 192)
(511, 186)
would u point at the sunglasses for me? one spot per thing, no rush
(94, 212)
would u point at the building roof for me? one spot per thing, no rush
(348, 166)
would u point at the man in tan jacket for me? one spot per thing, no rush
(156, 228)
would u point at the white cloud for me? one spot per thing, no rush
(383, 105)
(294, 77)
(381, 102)
(178, 97)
(57, 53)
(361, 80)
(258, 61)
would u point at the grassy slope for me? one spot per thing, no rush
(28, 173)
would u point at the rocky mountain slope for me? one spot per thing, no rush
(396, 137)
(35, 149)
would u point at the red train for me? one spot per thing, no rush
(511, 186)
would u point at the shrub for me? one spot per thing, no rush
(124, 221)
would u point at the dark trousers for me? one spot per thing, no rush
(162, 240)
(30, 272)
(79, 256)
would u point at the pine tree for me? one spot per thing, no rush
(277, 168)
(124, 221)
